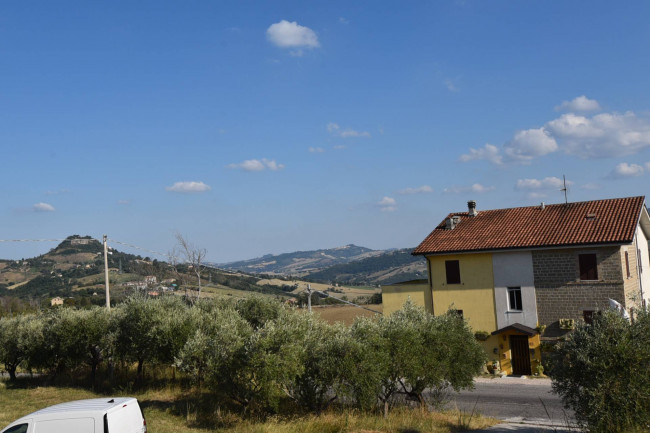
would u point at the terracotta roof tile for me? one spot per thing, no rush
(583, 223)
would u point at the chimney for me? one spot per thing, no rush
(471, 208)
(542, 206)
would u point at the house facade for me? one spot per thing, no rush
(524, 275)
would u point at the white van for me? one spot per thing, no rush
(97, 415)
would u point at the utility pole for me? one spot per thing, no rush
(108, 294)
(309, 292)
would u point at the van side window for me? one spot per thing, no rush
(20, 428)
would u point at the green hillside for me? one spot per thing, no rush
(390, 267)
(74, 270)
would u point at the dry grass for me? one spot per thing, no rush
(350, 291)
(161, 408)
(344, 313)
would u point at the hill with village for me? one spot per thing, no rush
(74, 271)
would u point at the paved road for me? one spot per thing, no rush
(514, 400)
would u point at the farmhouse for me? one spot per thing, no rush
(524, 275)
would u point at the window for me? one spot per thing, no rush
(588, 315)
(452, 267)
(627, 265)
(588, 267)
(514, 299)
(20, 428)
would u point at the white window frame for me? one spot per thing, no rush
(515, 289)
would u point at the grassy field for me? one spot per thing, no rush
(344, 313)
(351, 292)
(166, 412)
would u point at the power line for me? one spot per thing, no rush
(142, 249)
(327, 295)
(34, 240)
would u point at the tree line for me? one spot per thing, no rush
(254, 355)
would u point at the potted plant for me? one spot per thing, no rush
(481, 335)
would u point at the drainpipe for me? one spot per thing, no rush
(639, 261)
(430, 282)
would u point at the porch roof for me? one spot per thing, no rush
(516, 327)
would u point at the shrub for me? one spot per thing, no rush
(602, 372)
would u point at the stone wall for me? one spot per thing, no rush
(560, 293)
(632, 294)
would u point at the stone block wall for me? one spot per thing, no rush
(631, 284)
(560, 294)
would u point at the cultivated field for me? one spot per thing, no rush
(352, 292)
(344, 313)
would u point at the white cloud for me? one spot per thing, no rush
(188, 187)
(43, 207)
(475, 188)
(548, 183)
(339, 147)
(343, 21)
(529, 144)
(316, 149)
(387, 204)
(287, 34)
(624, 170)
(489, 152)
(424, 189)
(257, 165)
(123, 202)
(603, 135)
(581, 103)
(335, 129)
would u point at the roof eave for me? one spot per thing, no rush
(523, 248)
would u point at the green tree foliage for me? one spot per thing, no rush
(219, 334)
(255, 353)
(320, 382)
(602, 372)
(259, 374)
(17, 336)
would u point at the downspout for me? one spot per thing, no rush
(430, 282)
(639, 264)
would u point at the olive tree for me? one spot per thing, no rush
(260, 372)
(602, 372)
(18, 337)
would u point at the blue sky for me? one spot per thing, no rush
(268, 127)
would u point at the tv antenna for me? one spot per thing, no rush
(564, 189)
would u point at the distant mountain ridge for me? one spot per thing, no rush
(390, 267)
(300, 263)
(350, 264)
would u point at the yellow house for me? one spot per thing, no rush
(397, 294)
(516, 273)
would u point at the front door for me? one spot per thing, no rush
(520, 356)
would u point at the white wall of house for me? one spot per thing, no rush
(642, 245)
(514, 270)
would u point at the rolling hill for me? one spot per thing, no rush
(350, 264)
(74, 269)
(301, 263)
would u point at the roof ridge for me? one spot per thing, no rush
(551, 204)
